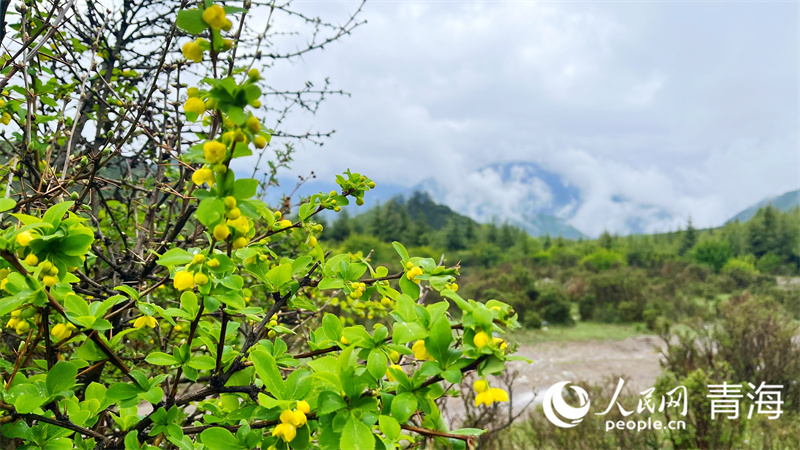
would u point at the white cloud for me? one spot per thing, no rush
(700, 122)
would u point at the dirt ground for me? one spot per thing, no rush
(636, 359)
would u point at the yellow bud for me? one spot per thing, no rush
(239, 242)
(194, 105)
(234, 213)
(193, 92)
(253, 74)
(23, 327)
(303, 406)
(192, 51)
(480, 386)
(24, 238)
(221, 232)
(285, 223)
(394, 356)
(198, 258)
(31, 260)
(272, 334)
(260, 142)
(481, 339)
(200, 278)
(49, 280)
(253, 124)
(230, 202)
(312, 241)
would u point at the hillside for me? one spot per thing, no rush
(783, 202)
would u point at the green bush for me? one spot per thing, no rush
(532, 320)
(602, 259)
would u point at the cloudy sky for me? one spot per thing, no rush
(690, 107)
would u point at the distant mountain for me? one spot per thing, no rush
(783, 202)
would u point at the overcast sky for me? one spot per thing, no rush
(690, 107)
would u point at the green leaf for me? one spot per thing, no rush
(389, 427)
(220, 439)
(409, 287)
(376, 363)
(174, 257)
(202, 362)
(7, 204)
(398, 247)
(61, 377)
(191, 21)
(122, 391)
(439, 339)
(56, 212)
(245, 188)
(161, 359)
(267, 370)
(403, 406)
(356, 435)
(27, 398)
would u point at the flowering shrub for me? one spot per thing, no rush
(222, 327)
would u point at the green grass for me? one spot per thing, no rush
(582, 331)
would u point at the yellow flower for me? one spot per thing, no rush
(481, 339)
(5, 119)
(242, 225)
(24, 238)
(3, 284)
(420, 352)
(480, 386)
(298, 418)
(213, 263)
(344, 341)
(31, 260)
(490, 396)
(389, 372)
(13, 322)
(285, 431)
(22, 327)
(260, 142)
(194, 105)
(60, 331)
(285, 223)
(221, 232)
(145, 321)
(214, 16)
(303, 405)
(214, 152)
(198, 258)
(192, 51)
(501, 343)
(183, 281)
(413, 273)
(49, 280)
(253, 124)
(204, 175)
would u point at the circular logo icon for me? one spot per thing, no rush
(555, 407)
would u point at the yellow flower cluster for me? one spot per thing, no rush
(412, 272)
(214, 16)
(358, 290)
(291, 421)
(420, 352)
(488, 395)
(19, 323)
